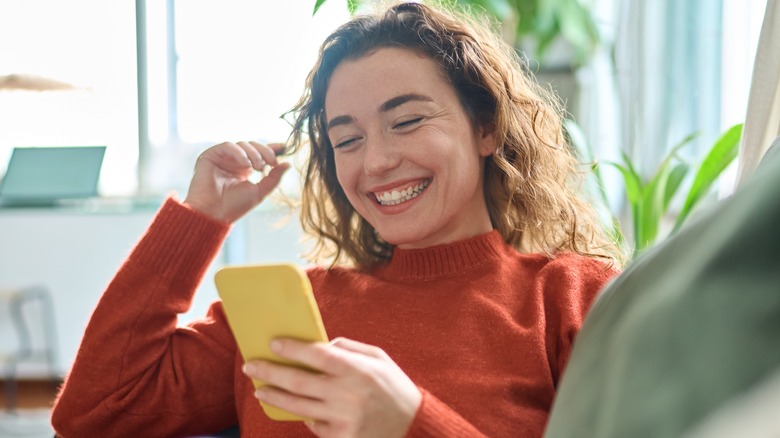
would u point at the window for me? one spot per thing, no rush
(224, 71)
(87, 47)
(212, 71)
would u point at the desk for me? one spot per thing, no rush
(74, 252)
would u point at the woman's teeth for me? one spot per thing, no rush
(394, 197)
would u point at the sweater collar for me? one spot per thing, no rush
(443, 260)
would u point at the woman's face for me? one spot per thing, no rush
(407, 156)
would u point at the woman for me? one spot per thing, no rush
(463, 262)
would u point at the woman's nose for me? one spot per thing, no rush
(380, 156)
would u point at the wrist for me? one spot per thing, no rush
(205, 210)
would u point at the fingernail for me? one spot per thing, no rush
(275, 346)
(249, 368)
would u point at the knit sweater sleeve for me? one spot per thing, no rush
(435, 419)
(570, 284)
(135, 371)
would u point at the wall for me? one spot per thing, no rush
(75, 252)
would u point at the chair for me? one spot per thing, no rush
(18, 300)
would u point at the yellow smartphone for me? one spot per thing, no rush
(263, 302)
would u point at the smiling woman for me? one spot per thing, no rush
(407, 133)
(462, 262)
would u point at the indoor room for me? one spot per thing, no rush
(666, 107)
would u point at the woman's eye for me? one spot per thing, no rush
(409, 122)
(343, 143)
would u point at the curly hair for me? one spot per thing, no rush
(531, 180)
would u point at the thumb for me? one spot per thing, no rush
(270, 181)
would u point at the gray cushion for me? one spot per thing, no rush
(690, 325)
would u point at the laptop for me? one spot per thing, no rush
(46, 176)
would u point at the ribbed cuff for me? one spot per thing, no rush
(435, 419)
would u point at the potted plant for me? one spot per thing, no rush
(650, 199)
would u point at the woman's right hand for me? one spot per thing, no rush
(220, 187)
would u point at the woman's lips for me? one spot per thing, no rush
(401, 194)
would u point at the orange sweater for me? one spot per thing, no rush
(483, 331)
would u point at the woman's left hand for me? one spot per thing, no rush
(359, 390)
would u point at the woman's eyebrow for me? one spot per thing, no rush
(340, 120)
(389, 105)
(402, 99)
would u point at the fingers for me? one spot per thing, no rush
(290, 379)
(277, 148)
(302, 406)
(260, 154)
(334, 358)
(271, 180)
(359, 347)
(317, 355)
(223, 185)
(353, 392)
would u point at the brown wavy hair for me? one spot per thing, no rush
(532, 180)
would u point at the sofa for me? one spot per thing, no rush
(686, 341)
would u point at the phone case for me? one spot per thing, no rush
(263, 302)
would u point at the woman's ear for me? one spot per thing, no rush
(486, 137)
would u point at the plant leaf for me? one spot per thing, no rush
(352, 6)
(499, 9)
(544, 39)
(676, 177)
(577, 26)
(317, 5)
(630, 166)
(632, 181)
(633, 186)
(652, 207)
(723, 152)
(657, 194)
(688, 138)
(526, 14)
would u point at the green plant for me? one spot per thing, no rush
(537, 22)
(649, 200)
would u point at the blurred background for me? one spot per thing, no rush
(156, 82)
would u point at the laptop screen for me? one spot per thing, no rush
(44, 175)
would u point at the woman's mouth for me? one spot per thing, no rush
(395, 196)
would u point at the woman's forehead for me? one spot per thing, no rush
(383, 74)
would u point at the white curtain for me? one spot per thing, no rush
(655, 80)
(762, 121)
(598, 112)
(667, 55)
